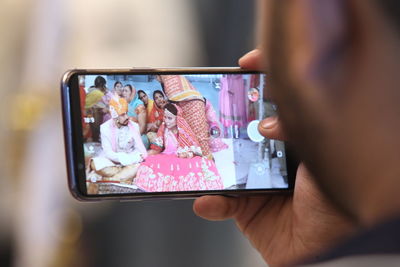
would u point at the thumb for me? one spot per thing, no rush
(216, 208)
(271, 128)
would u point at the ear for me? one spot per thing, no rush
(317, 38)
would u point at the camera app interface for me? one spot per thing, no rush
(167, 133)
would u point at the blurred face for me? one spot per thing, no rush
(160, 100)
(128, 94)
(170, 120)
(327, 86)
(303, 112)
(123, 119)
(144, 98)
(118, 89)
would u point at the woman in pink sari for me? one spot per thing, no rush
(176, 162)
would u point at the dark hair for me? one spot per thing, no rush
(130, 87)
(117, 82)
(141, 91)
(171, 108)
(158, 92)
(100, 82)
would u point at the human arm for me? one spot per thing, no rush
(151, 120)
(152, 127)
(141, 117)
(284, 228)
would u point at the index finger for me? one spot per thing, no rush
(251, 60)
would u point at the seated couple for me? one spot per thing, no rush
(173, 163)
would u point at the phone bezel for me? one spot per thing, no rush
(74, 140)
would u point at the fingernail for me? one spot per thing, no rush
(269, 122)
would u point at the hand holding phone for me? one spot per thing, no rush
(285, 229)
(207, 141)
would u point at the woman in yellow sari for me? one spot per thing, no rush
(148, 103)
(95, 107)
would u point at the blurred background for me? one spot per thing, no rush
(40, 223)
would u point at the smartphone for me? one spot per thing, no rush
(134, 134)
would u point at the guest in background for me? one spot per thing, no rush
(148, 103)
(156, 115)
(118, 88)
(136, 110)
(95, 106)
(116, 92)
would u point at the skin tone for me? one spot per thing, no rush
(144, 98)
(160, 102)
(300, 224)
(118, 89)
(122, 120)
(141, 117)
(341, 85)
(128, 94)
(170, 121)
(343, 89)
(170, 124)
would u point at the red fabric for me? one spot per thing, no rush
(156, 114)
(178, 88)
(194, 113)
(186, 137)
(86, 132)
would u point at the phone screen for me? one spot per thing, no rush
(159, 133)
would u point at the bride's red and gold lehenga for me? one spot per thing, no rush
(167, 172)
